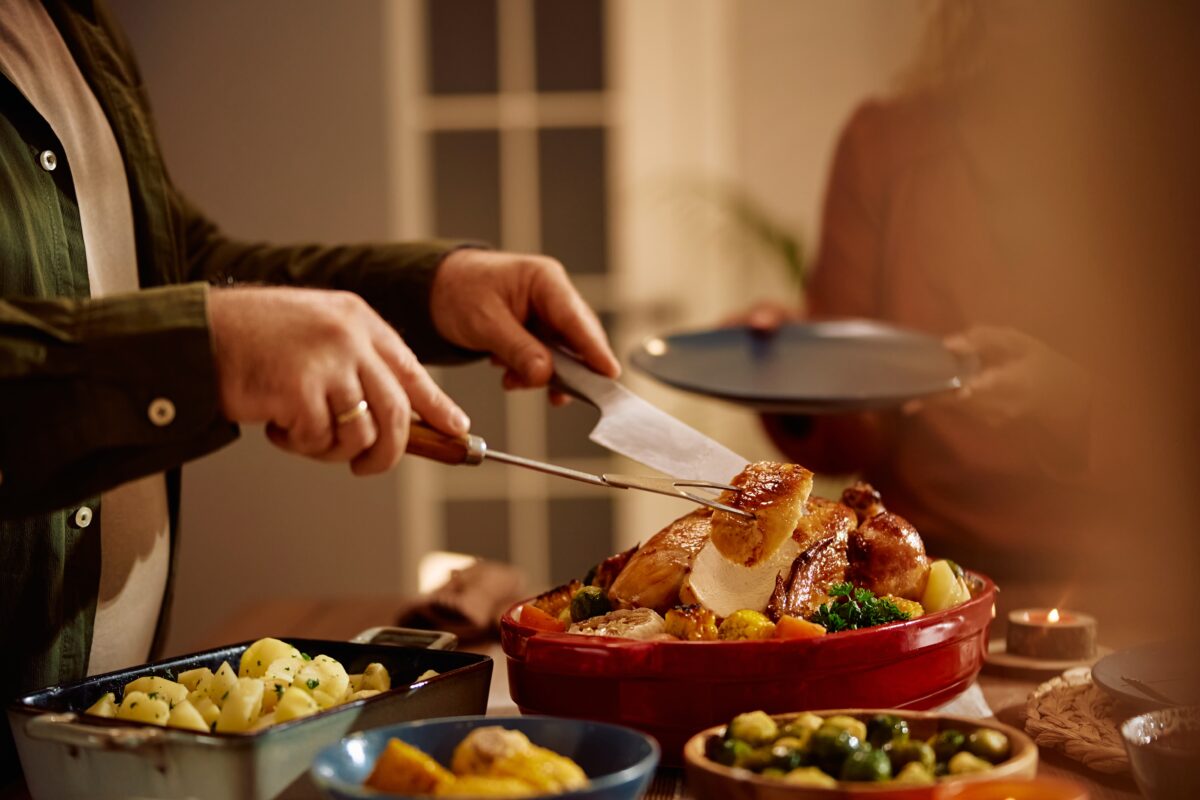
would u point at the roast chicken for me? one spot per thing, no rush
(886, 553)
(854, 540)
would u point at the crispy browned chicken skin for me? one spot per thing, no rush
(655, 572)
(824, 519)
(807, 583)
(886, 553)
(775, 494)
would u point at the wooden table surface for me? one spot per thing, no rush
(344, 617)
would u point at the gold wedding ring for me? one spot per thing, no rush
(360, 410)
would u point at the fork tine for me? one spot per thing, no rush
(705, 501)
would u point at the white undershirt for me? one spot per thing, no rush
(135, 543)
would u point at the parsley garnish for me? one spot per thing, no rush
(306, 656)
(153, 695)
(312, 683)
(279, 690)
(850, 608)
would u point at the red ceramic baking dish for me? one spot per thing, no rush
(671, 690)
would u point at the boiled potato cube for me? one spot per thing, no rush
(325, 679)
(184, 715)
(284, 669)
(209, 710)
(355, 683)
(242, 707)
(260, 655)
(944, 589)
(273, 689)
(106, 706)
(222, 683)
(376, 677)
(426, 675)
(362, 694)
(140, 707)
(170, 691)
(294, 704)
(264, 721)
(192, 678)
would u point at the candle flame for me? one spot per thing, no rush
(1053, 616)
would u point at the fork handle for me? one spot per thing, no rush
(429, 443)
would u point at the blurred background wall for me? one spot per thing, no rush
(579, 128)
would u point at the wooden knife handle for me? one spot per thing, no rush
(428, 443)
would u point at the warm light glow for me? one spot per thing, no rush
(435, 568)
(656, 347)
(1052, 617)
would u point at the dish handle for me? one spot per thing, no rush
(67, 729)
(407, 637)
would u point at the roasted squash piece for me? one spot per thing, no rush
(404, 769)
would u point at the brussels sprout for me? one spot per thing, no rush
(731, 752)
(883, 728)
(788, 753)
(756, 759)
(831, 746)
(809, 776)
(988, 744)
(947, 743)
(588, 602)
(916, 774)
(965, 763)
(867, 764)
(746, 624)
(855, 726)
(802, 725)
(904, 751)
(755, 728)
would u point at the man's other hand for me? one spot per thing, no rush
(300, 359)
(509, 305)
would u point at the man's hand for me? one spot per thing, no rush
(489, 301)
(298, 359)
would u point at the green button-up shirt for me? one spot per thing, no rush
(78, 376)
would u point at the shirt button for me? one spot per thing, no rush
(161, 411)
(48, 160)
(83, 517)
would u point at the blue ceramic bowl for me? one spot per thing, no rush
(618, 761)
(1164, 750)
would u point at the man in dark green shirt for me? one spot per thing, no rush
(97, 391)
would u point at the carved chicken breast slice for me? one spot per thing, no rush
(775, 494)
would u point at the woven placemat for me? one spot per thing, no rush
(1070, 713)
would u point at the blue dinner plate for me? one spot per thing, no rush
(619, 761)
(818, 367)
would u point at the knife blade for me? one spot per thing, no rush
(643, 432)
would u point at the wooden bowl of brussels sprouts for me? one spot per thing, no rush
(854, 753)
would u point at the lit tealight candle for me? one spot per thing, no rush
(1051, 634)
(1036, 789)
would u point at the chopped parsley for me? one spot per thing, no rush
(312, 683)
(850, 608)
(133, 704)
(279, 690)
(225, 695)
(153, 695)
(306, 656)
